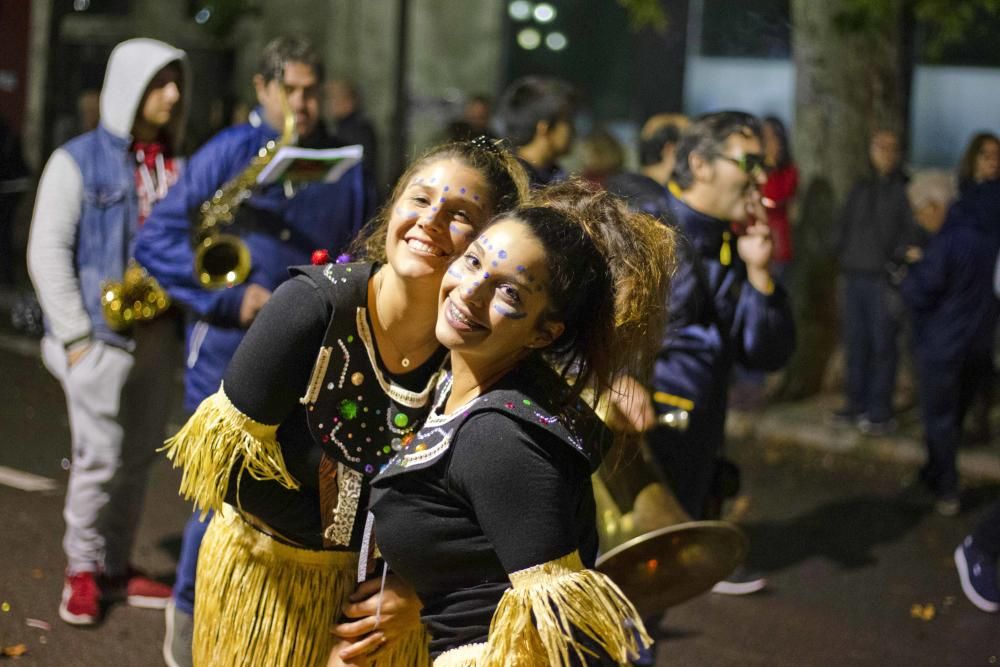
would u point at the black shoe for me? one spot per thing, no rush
(843, 417)
(741, 582)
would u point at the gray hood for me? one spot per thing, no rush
(131, 67)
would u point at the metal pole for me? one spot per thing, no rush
(401, 116)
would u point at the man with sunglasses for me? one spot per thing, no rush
(724, 306)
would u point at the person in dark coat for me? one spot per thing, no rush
(949, 293)
(647, 190)
(874, 225)
(724, 306)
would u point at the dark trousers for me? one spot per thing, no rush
(986, 535)
(946, 391)
(687, 459)
(871, 324)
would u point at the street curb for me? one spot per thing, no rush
(775, 426)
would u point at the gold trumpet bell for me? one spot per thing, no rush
(221, 260)
(653, 550)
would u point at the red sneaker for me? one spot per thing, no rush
(81, 599)
(138, 590)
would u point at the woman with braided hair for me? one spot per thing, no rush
(334, 374)
(488, 511)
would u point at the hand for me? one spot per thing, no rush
(399, 615)
(254, 299)
(335, 659)
(76, 354)
(633, 404)
(913, 254)
(756, 246)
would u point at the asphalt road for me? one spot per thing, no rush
(858, 576)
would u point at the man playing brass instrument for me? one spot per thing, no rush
(280, 224)
(95, 191)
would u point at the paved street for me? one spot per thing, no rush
(847, 559)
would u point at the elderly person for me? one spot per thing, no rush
(949, 292)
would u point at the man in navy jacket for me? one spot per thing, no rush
(724, 305)
(950, 294)
(281, 224)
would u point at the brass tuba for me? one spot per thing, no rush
(137, 297)
(648, 545)
(223, 260)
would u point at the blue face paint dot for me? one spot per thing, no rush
(486, 275)
(462, 191)
(502, 254)
(520, 269)
(441, 200)
(475, 284)
(434, 208)
(494, 262)
(446, 188)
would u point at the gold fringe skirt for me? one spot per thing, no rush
(261, 602)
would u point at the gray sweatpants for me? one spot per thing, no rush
(118, 405)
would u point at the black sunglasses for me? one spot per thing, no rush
(751, 163)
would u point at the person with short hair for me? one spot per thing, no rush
(725, 309)
(647, 190)
(535, 114)
(949, 291)
(93, 197)
(874, 226)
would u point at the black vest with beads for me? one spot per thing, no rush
(355, 411)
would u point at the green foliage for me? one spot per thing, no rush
(946, 21)
(949, 22)
(645, 14)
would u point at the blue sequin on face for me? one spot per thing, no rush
(486, 275)
(441, 200)
(494, 262)
(502, 254)
(446, 188)
(462, 191)
(520, 269)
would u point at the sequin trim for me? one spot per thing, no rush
(349, 483)
(341, 446)
(319, 372)
(393, 391)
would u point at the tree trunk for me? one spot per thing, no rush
(848, 84)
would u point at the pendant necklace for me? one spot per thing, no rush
(404, 359)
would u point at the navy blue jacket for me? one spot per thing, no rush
(950, 290)
(284, 233)
(717, 318)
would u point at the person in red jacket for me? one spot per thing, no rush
(779, 191)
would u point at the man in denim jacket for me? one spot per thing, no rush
(93, 195)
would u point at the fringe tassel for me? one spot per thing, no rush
(551, 607)
(215, 440)
(261, 602)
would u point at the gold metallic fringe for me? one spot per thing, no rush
(261, 602)
(217, 438)
(541, 619)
